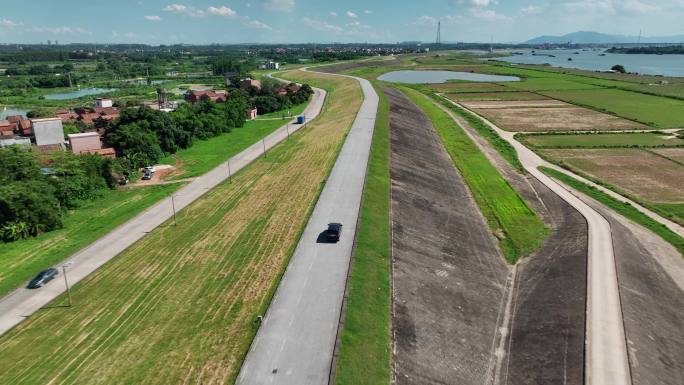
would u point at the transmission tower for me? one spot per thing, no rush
(439, 33)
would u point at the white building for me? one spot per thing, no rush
(271, 65)
(104, 102)
(48, 131)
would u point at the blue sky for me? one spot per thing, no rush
(300, 21)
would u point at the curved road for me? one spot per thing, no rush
(606, 360)
(295, 343)
(21, 303)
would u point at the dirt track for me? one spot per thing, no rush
(449, 278)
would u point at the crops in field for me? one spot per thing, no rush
(22, 259)
(365, 347)
(179, 306)
(636, 139)
(640, 173)
(555, 119)
(517, 227)
(656, 111)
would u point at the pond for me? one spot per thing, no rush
(422, 77)
(79, 93)
(9, 111)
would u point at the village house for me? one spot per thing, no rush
(89, 143)
(248, 82)
(103, 111)
(48, 132)
(214, 96)
(251, 113)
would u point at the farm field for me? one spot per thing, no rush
(206, 154)
(365, 344)
(515, 103)
(180, 305)
(23, 259)
(637, 139)
(517, 227)
(549, 83)
(556, 119)
(513, 95)
(656, 111)
(648, 177)
(675, 154)
(458, 87)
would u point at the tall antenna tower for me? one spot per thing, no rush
(439, 33)
(639, 40)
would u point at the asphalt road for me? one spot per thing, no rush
(21, 303)
(606, 360)
(295, 343)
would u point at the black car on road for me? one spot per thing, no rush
(42, 278)
(332, 234)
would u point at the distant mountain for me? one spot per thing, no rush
(587, 37)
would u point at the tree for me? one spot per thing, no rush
(136, 143)
(39, 113)
(28, 208)
(618, 68)
(17, 164)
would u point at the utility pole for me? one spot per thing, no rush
(288, 131)
(66, 283)
(173, 205)
(263, 141)
(230, 178)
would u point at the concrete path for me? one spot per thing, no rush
(21, 303)
(295, 343)
(606, 360)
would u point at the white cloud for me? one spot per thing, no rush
(531, 10)
(368, 12)
(322, 26)
(222, 11)
(279, 5)
(152, 18)
(131, 35)
(488, 15)
(352, 14)
(481, 3)
(5, 23)
(333, 14)
(184, 10)
(61, 30)
(425, 20)
(639, 7)
(258, 25)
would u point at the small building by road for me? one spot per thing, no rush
(84, 142)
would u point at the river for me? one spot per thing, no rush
(665, 65)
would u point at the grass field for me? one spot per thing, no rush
(518, 228)
(655, 111)
(468, 87)
(637, 139)
(179, 306)
(23, 259)
(514, 95)
(204, 155)
(365, 348)
(623, 209)
(572, 118)
(548, 83)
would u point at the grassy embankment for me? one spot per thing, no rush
(623, 209)
(22, 259)
(365, 347)
(204, 155)
(179, 305)
(517, 227)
